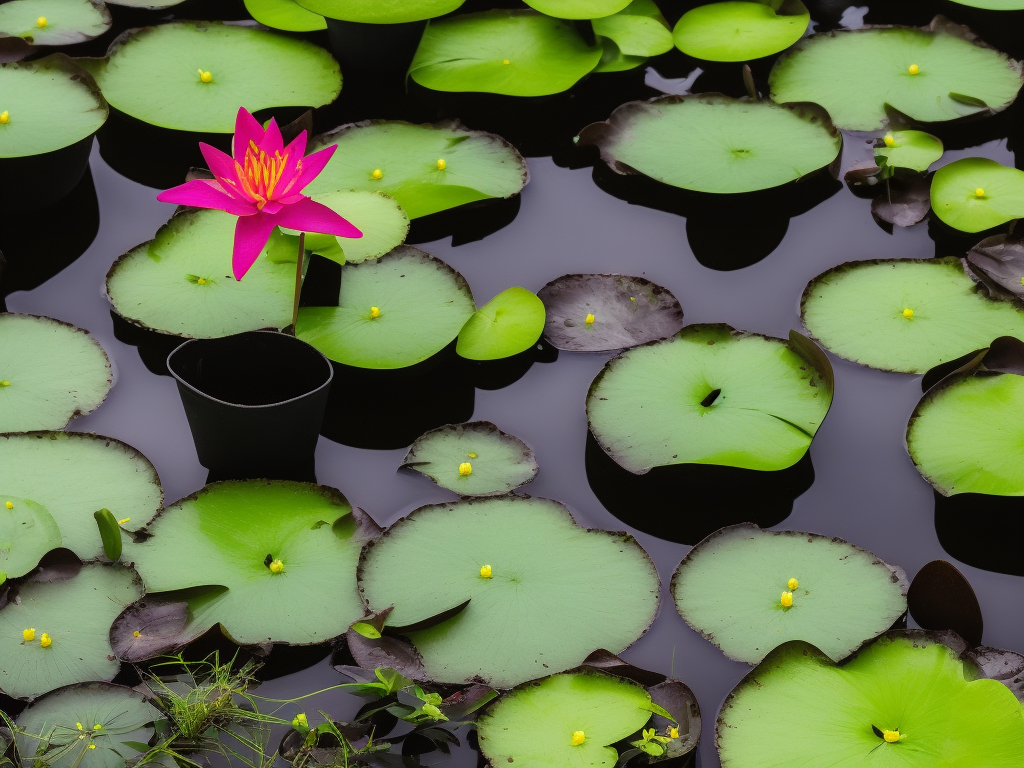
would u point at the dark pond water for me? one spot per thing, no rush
(859, 483)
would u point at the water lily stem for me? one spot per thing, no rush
(298, 282)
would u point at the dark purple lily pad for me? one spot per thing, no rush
(997, 263)
(154, 626)
(940, 597)
(903, 202)
(628, 311)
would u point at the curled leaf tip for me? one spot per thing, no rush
(913, 69)
(205, 76)
(374, 313)
(908, 313)
(28, 635)
(441, 164)
(979, 192)
(793, 584)
(578, 737)
(889, 140)
(5, 117)
(45, 641)
(590, 318)
(465, 468)
(787, 600)
(378, 174)
(486, 572)
(41, 22)
(891, 737)
(276, 566)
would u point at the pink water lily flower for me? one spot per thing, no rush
(262, 185)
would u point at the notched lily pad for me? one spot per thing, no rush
(45, 22)
(473, 459)
(637, 31)
(628, 311)
(740, 31)
(941, 598)
(976, 193)
(508, 324)
(27, 532)
(913, 150)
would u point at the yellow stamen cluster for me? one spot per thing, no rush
(673, 732)
(374, 313)
(578, 737)
(9, 504)
(5, 117)
(41, 22)
(589, 320)
(378, 174)
(28, 635)
(979, 192)
(891, 737)
(276, 566)
(441, 164)
(259, 174)
(908, 313)
(465, 468)
(787, 600)
(45, 641)
(486, 572)
(889, 140)
(793, 584)
(201, 281)
(913, 69)
(205, 76)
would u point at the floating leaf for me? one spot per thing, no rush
(44, 22)
(421, 304)
(915, 150)
(154, 626)
(50, 373)
(508, 324)
(997, 262)
(905, 682)
(231, 534)
(638, 30)
(73, 474)
(513, 53)
(903, 202)
(976, 193)
(27, 532)
(381, 11)
(740, 31)
(843, 594)
(152, 74)
(499, 462)
(285, 14)
(857, 74)
(628, 311)
(180, 282)
(477, 165)
(714, 143)
(904, 315)
(993, 5)
(578, 9)
(1006, 667)
(941, 598)
(556, 591)
(75, 613)
(710, 395)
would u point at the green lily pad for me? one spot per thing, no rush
(50, 373)
(714, 143)
(285, 14)
(477, 165)
(381, 11)
(799, 708)
(147, 4)
(857, 74)
(556, 593)
(534, 724)
(499, 462)
(76, 612)
(711, 395)
(157, 285)
(915, 150)
(638, 30)
(858, 312)
(843, 594)
(51, 103)
(73, 474)
(27, 532)
(614, 60)
(54, 22)
(628, 311)
(956, 199)
(513, 53)
(578, 9)
(152, 74)
(230, 534)
(508, 324)
(740, 31)
(113, 718)
(422, 304)
(993, 5)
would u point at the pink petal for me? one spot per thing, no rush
(247, 128)
(273, 141)
(223, 167)
(203, 193)
(312, 165)
(298, 146)
(251, 236)
(310, 216)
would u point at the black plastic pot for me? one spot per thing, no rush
(38, 181)
(380, 50)
(255, 403)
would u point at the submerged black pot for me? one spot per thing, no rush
(36, 181)
(255, 403)
(378, 49)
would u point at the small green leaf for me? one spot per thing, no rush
(366, 630)
(110, 533)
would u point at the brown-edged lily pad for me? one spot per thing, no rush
(941, 598)
(903, 202)
(997, 262)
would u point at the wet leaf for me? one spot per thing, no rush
(578, 9)
(914, 150)
(740, 31)
(27, 532)
(1006, 667)
(639, 30)
(285, 14)
(67, 22)
(508, 324)
(903, 202)
(1000, 260)
(381, 11)
(941, 598)
(957, 202)
(152, 627)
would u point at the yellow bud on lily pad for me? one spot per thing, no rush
(45, 641)
(889, 140)
(793, 584)
(908, 313)
(276, 566)
(486, 572)
(913, 69)
(5, 117)
(787, 600)
(441, 164)
(891, 737)
(504, 61)
(206, 76)
(578, 737)
(979, 192)
(673, 732)
(590, 318)
(28, 635)
(41, 22)
(378, 174)
(5, 383)
(136, 633)
(9, 505)
(374, 313)
(465, 468)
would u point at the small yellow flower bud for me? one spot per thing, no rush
(673, 732)
(578, 737)
(378, 174)
(41, 22)
(979, 192)
(301, 723)
(124, 521)
(136, 633)
(632, 298)
(891, 737)
(465, 468)
(201, 281)
(793, 584)
(5, 383)
(913, 69)
(92, 746)
(276, 566)
(97, 727)
(205, 77)
(486, 572)
(908, 313)
(9, 504)
(45, 641)
(374, 313)
(441, 164)
(589, 320)
(787, 600)
(889, 140)
(5, 117)
(504, 61)
(471, 455)
(29, 635)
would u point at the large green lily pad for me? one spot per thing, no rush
(535, 723)
(638, 30)
(54, 22)
(578, 9)
(498, 462)
(230, 534)
(76, 612)
(157, 285)
(711, 395)
(113, 719)
(714, 143)
(799, 708)
(285, 14)
(513, 53)
(50, 373)
(51, 103)
(508, 324)
(381, 11)
(73, 474)
(152, 74)
(477, 165)
(843, 594)
(976, 193)
(556, 591)
(421, 302)
(740, 31)
(857, 74)
(27, 532)
(858, 311)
